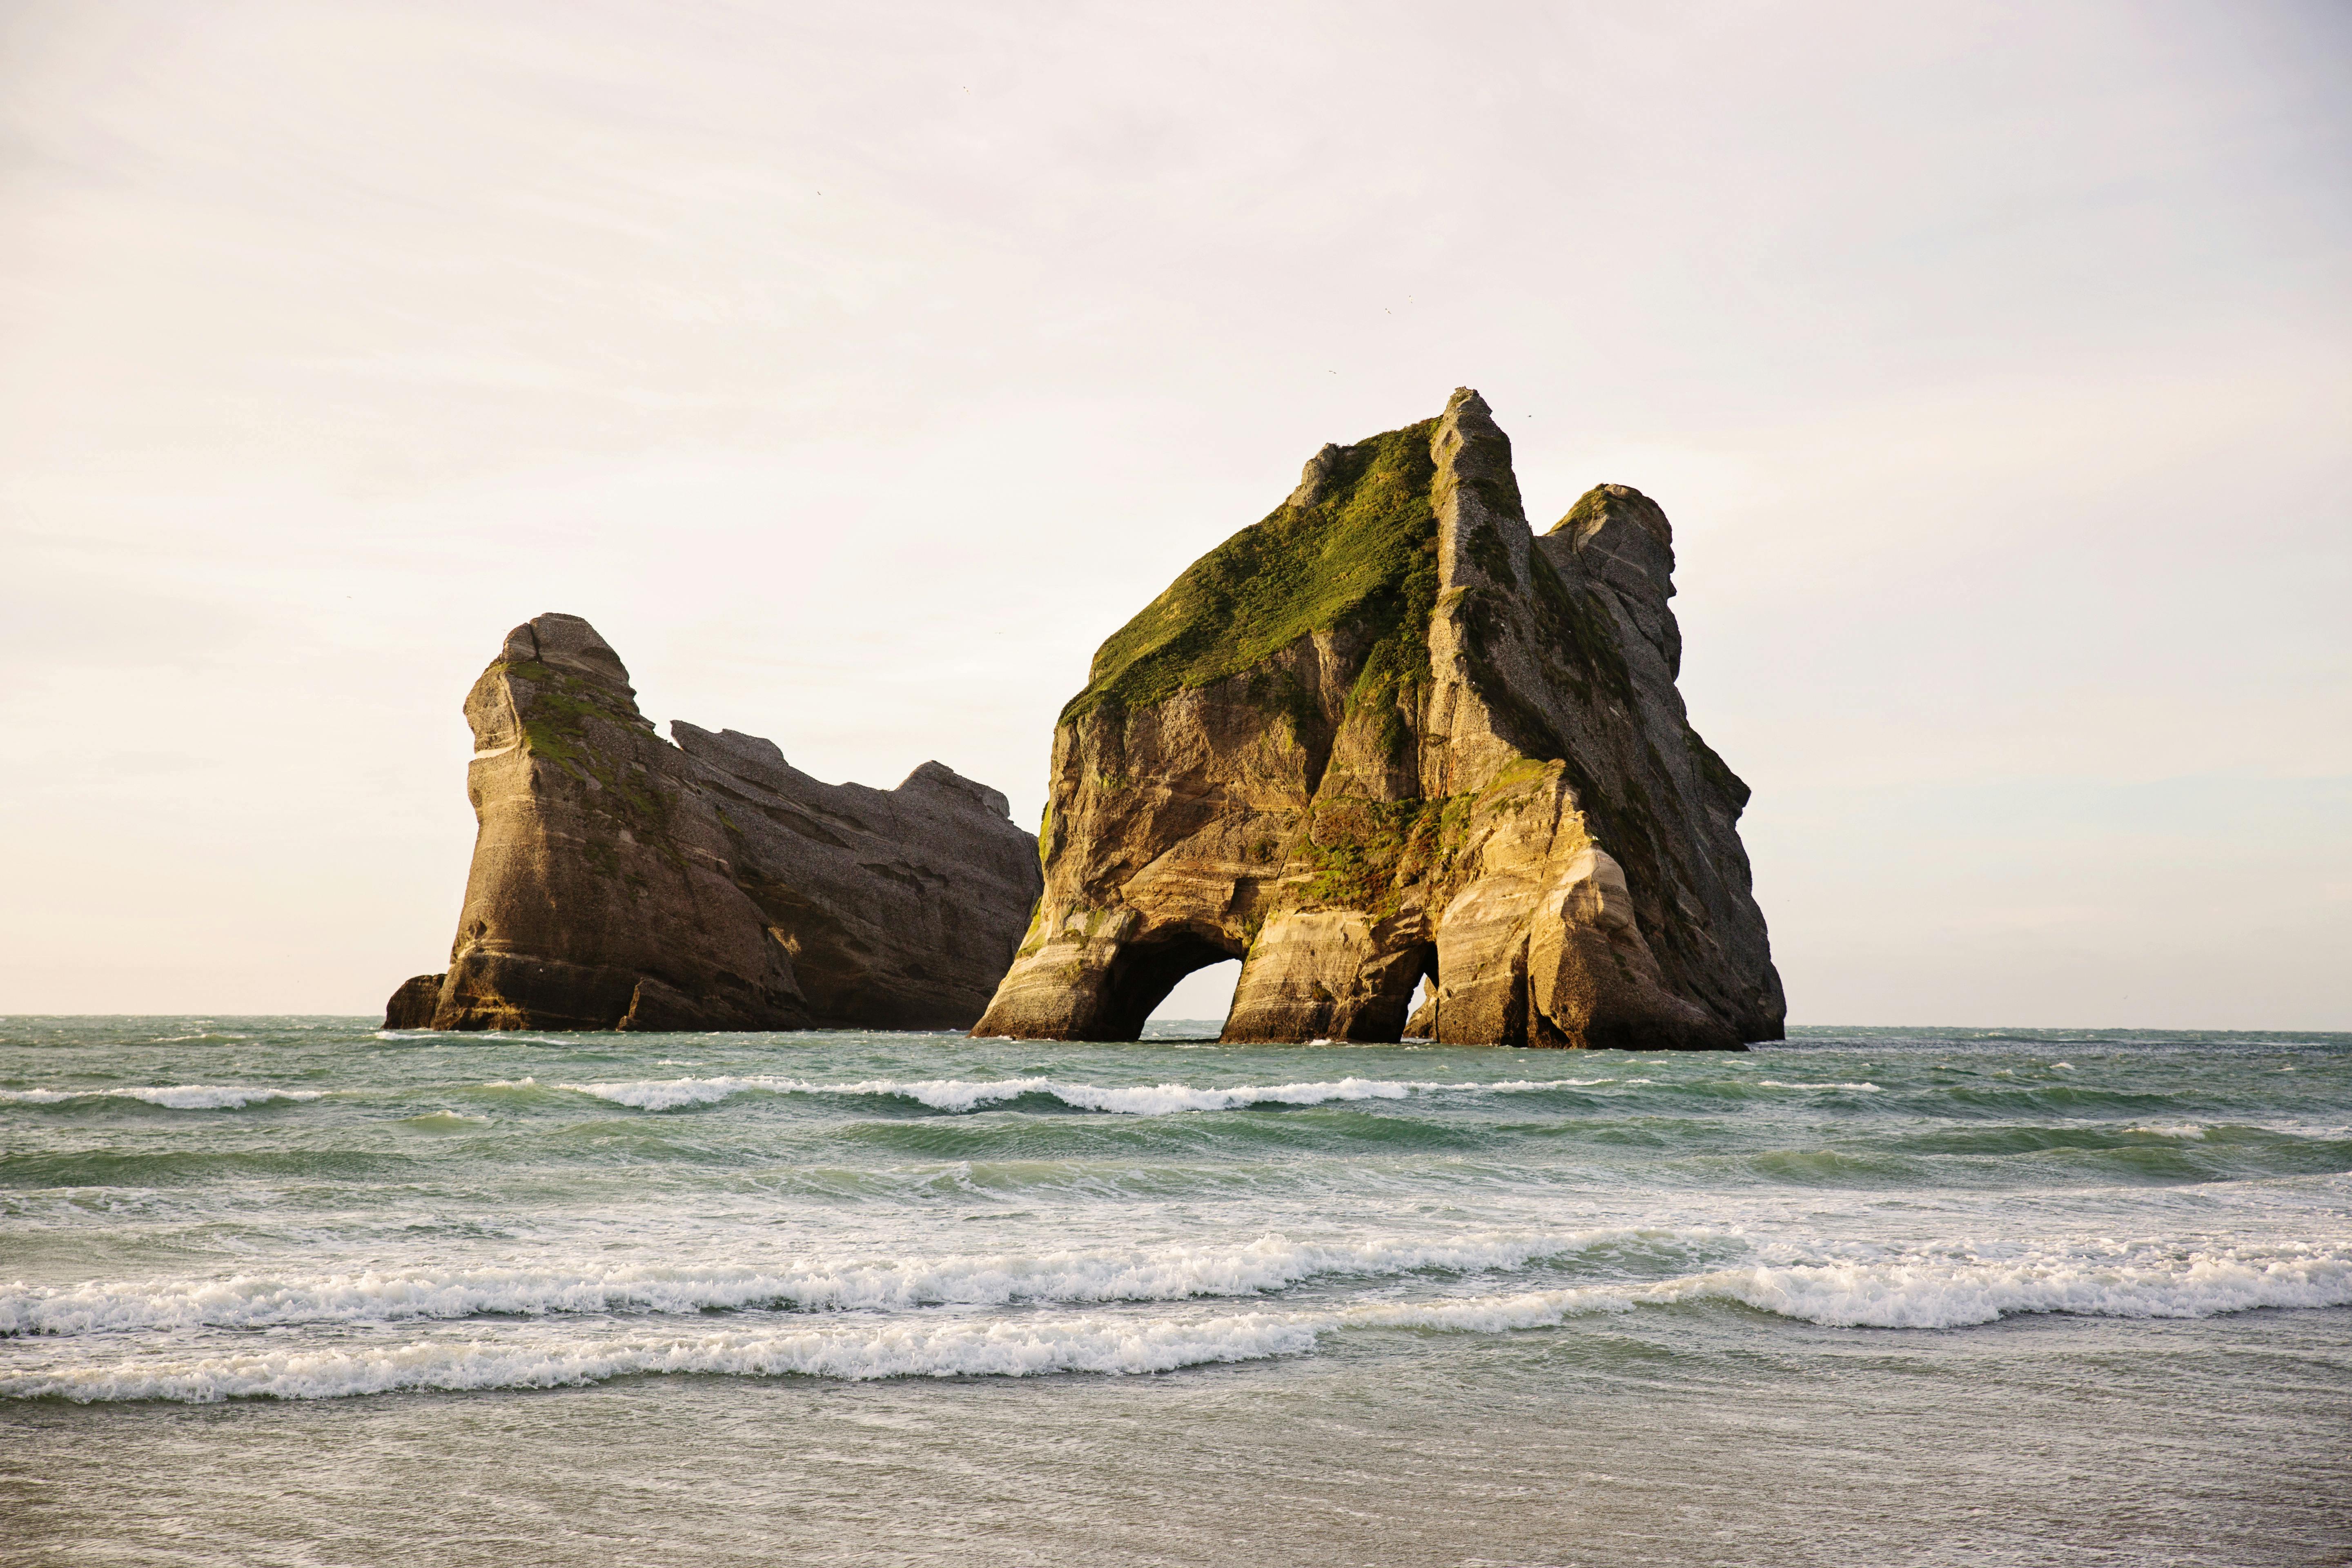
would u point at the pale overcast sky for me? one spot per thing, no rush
(857, 369)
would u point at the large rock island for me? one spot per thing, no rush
(1388, 733)
(622, 882)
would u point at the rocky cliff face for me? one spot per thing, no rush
(1388, 733)
(622, 882)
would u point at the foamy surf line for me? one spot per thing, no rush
(1111, 1343)
(1023, 1349)
(1171, 1273)
(171, 1096)
(958, 1095)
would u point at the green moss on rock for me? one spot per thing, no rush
(1362, 554)
(1365, 853)
(1279, 692)
(558, 743)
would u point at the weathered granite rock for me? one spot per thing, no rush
(412, 1005)
(1388, 733)
(622, 882)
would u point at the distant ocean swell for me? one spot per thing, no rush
(961, 1097)
(951, 1095)
(2048, 1096)
(1890, 1297)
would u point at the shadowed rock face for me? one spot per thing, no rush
(622, 882)
(411, 1007)
(1388, 733)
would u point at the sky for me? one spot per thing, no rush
(856, 369)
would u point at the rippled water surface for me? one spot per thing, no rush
(296, 1291)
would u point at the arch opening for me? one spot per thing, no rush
(1146, 970)
(1204, 996)
(1421, 1008)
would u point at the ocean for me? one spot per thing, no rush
(301, 1292)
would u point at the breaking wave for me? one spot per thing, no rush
(932, 1345)
(1127, 1274)
(171, 1096)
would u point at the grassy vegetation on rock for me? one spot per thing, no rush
(1366, 852)
(1362, 554)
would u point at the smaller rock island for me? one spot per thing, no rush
(623, 882)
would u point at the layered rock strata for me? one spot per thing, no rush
(1389, 734)
(623, 882)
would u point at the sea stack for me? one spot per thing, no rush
(1386, 734)
(623, 882)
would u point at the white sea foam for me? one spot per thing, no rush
(959, 1095)
(1166, 1273)
(1776, 1083)
(2139, 1284)
(1024, 1347)
(172, 1097)
(1940, 1285)
(1943, 1292)
(928, 1344)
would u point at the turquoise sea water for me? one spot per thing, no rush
(297, 1291)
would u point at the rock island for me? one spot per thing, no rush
(1389, 734)
(624, 883)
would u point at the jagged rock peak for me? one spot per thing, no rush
(1388, 735)
(621, 881)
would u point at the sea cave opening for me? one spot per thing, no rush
(1202, 997)
(1423, 1000)
(1148, 969)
